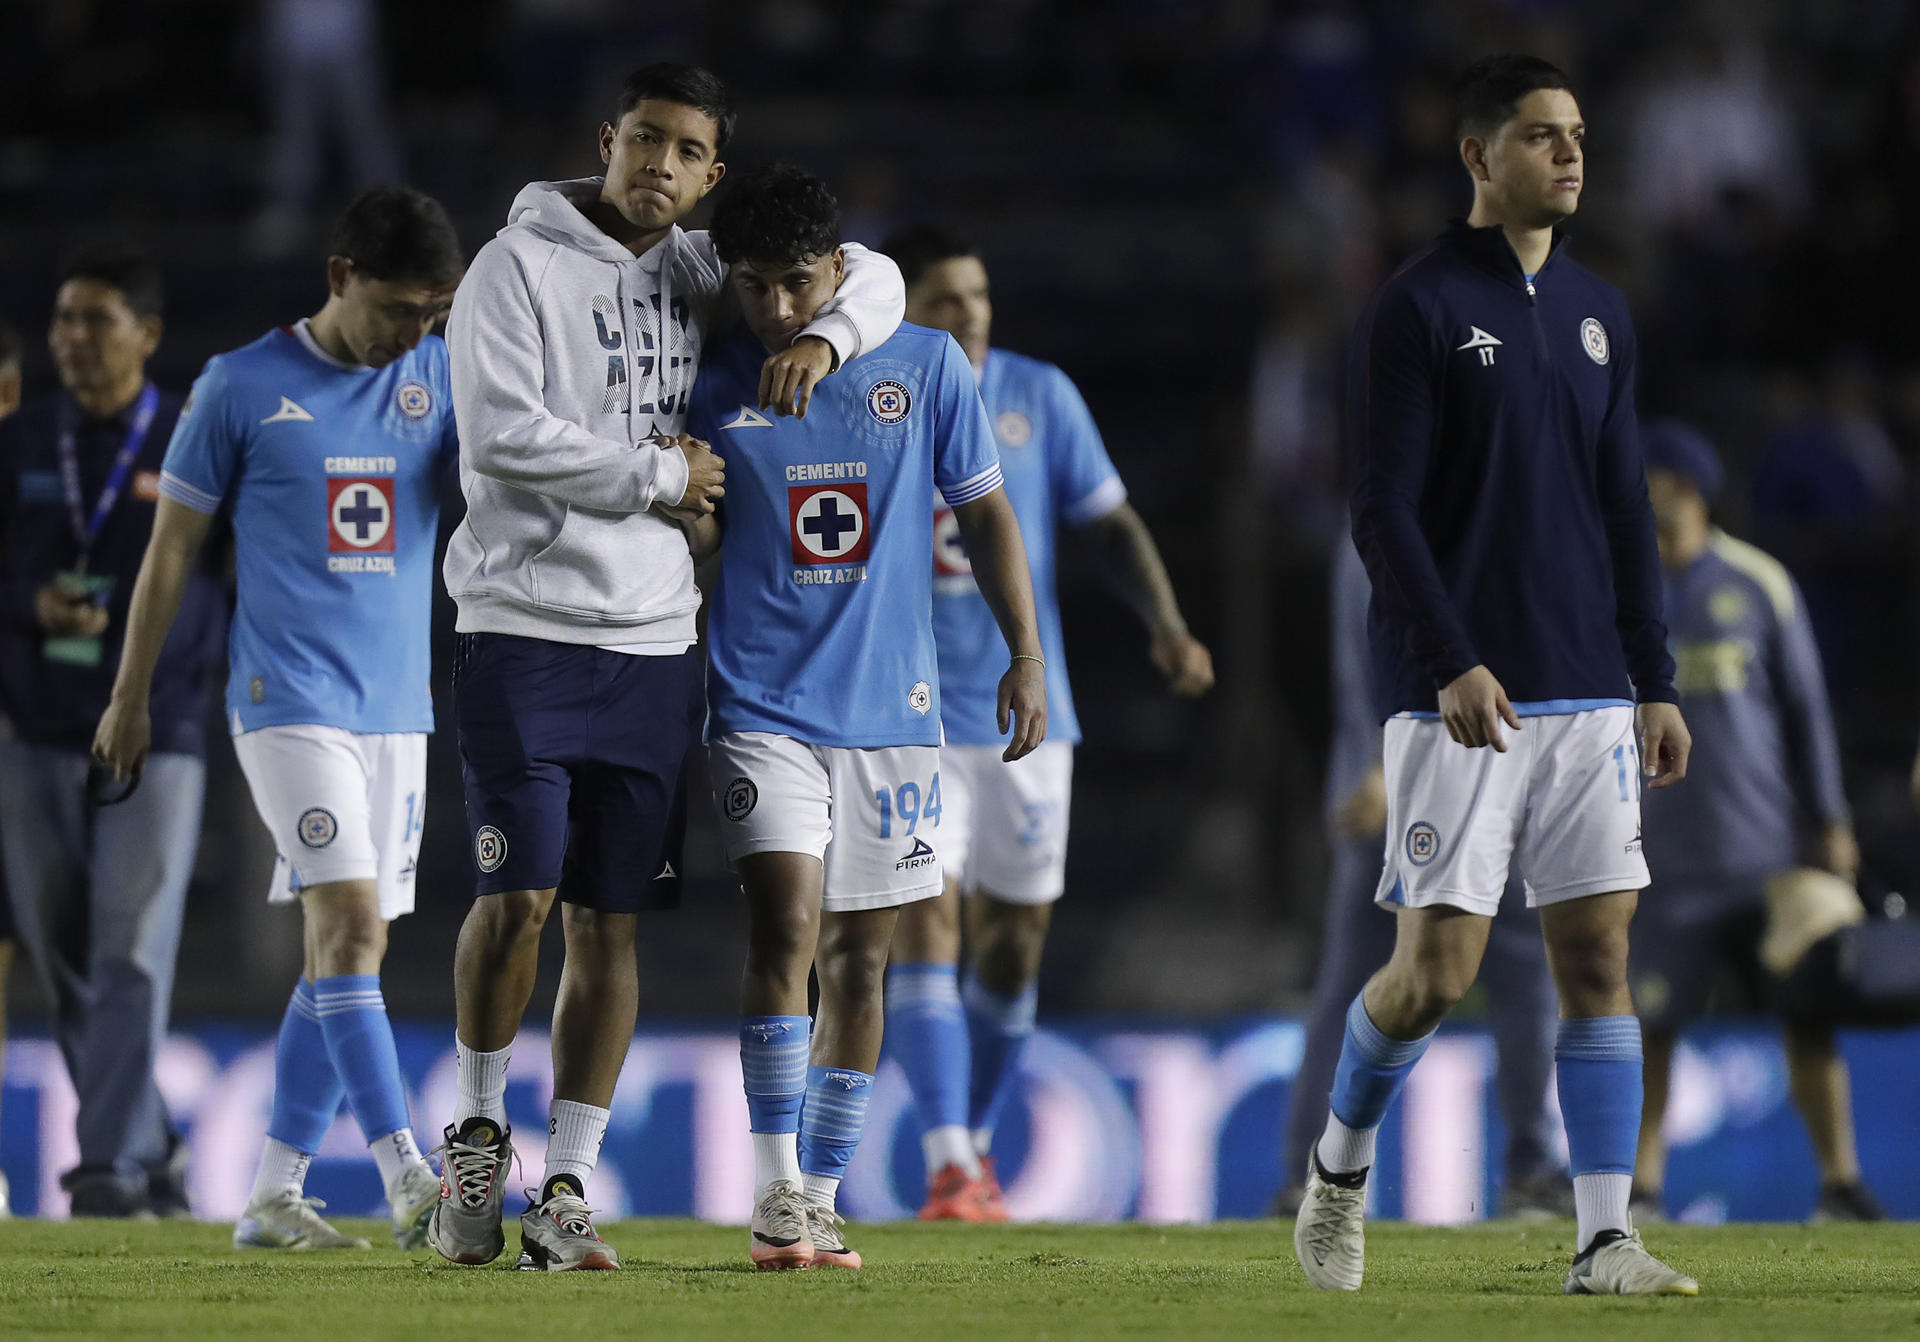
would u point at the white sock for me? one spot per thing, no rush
(982, 1142)
(394, 1154)
(950, 1144)
(822, 1189)
(1600, 1203)
(776, 1156)
(1343, 1150)
(283, 1169)
(483, 1083)
(573, 1144)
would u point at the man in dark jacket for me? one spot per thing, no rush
(98, 892)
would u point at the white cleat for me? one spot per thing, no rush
(289, 1221)
(6, 1199)
(1329, 1233)
(413, 1200)
(779, 1238)
(1617, 1263)
(829, 1244)
(557, 1234)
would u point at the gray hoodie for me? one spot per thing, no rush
(569, 354)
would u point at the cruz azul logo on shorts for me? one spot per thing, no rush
(829, 523)
(317, 827)
(489, 848)
(739, 799)
(360, 515)
(1593, 336)
(1423, 843)
(889, 401)
(414, 400)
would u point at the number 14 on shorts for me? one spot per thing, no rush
(907, 804)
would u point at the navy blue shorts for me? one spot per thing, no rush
(1694, 949)
(575, 762)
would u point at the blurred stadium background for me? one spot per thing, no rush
(1183, 202)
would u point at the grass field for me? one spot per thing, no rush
(689, 1280)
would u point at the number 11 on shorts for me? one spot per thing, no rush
(905, 801)
(1626, 758)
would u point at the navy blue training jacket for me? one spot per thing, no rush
(1500, 504)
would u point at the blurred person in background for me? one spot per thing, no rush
(1764, 795)
(328, 440)
(99, 891)
(11, 353)
(1359, 939)
(1003, 830)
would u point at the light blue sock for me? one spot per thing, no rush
(998, 1028)
(353, 1016)
(1598, 1061)
(927, 1032)
(773, 1063)
(306, 1087)
(831, 1124)
(1371, 1070)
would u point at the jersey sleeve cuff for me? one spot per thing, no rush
(173, 487)
(974, 487)
(1656, 694)
(1109, 494)
(841, 335)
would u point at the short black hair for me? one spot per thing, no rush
(778, 213)
(12, 349)
(1487, 92)
(393, 232)
(125, 266)
(919, 247)
(692, 86)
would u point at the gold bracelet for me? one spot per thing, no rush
(1029, 657)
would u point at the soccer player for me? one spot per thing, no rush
(578, 691)
(1003, 827)
(327, 440)
(1502, 514)
(10, 384)
(1359, 939)
(825, 685)
(1764, 796)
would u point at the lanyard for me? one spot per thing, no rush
(86, 529)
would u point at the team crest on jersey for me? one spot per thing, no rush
(1423, 843)
(739, 799)
(1014, 428)
(1593, 337)
(889, 401)
(1728, 605)
(317, 827)
(360, 515)
(920, 697)
(829, 523)
(489, 848)
(414, 400)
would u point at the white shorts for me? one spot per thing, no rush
(1004, 830)
(870, 816)
(1561, 807)
(341, 806)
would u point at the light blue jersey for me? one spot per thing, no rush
(1057, 470)
(820, 629)
(333, 474)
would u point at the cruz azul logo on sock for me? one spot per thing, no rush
(847, 1080)
(768, 1031)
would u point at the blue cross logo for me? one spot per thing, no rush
(363, 515)
(828, 523)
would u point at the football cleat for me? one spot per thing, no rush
(413, 1200)
(779, 1238)
(829, 1245)
(289, 1221)
(1852, 1201)
(464, 1226)
(557, 1234)
(1617, 1263)
(953, 1195)
(992, 1200)
(1329, 1232)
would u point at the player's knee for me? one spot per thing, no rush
(1591, 965)
(515, 915)
(594, 932)
(783, 935)
(852, 974)
(351, 941)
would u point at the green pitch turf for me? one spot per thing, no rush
(685, 1280)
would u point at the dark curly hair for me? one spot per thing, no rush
(778, 214)
(393, 232)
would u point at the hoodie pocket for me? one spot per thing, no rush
(614, 568)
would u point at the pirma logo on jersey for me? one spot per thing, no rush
(1423, 843)
(829, 523)
(1593, 336)
(317, 827)
(739, 799)
(889, 401)
(489, 848)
